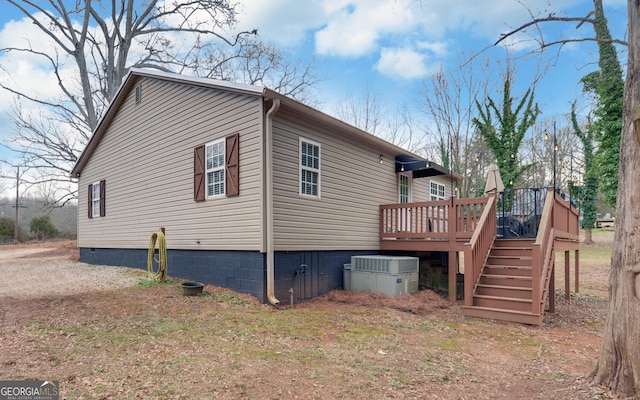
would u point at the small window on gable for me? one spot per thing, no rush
(437, 191)
(309, 168)
(97, 199)
(138, 91)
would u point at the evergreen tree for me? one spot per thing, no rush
(503, 130)
(588, 202)
(607, 85)
(42, 227)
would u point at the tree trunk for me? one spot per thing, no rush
(588, 238)
(619, 360)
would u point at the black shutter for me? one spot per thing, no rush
(90, 201)
(103, 192)
(232, 176)
(198, 173)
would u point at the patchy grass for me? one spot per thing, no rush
(148, 341)
(151, 342)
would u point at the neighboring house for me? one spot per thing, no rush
(253, 188)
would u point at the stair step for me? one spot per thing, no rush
(506, 251)
(504, 280)
(518, 260)
(521, 317)
(501, 298)
(504, 291)
(515, 277)
(496, 269)
(510, 257)
(514, 241)
(504, 303)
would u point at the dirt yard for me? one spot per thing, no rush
(110, 333)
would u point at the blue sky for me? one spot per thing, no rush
(388, 47)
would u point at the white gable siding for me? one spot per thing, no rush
(146, 158)
(353, 185)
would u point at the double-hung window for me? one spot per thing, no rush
(309, 168)
(437, 191)
(97, 201)
(215, 168)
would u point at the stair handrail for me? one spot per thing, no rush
(476, 251)
(542, 253)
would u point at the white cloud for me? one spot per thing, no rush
(403, 63)
(283, 22)
(356, 29)
(437, 48)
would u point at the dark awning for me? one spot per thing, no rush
(420, 168)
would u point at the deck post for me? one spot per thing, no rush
(576, 271)
(453, 271)
(552, 291)
(567, 275)
(468, 276)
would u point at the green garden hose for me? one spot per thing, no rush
(161, 273)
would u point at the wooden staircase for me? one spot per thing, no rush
(504, 288)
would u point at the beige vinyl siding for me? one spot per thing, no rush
(146, 158)
(421, 188)
(353, 184)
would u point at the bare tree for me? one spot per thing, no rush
(449, 106)
(92, 46)
(393, 122)
(619, 358)
(363, 111)
(606, 84)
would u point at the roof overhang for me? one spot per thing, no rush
(389, 150)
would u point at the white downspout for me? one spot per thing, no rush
(269, 217)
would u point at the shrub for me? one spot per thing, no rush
(7, 230)
(42, 227)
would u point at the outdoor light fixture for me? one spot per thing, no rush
(402, 168)
(381, 159)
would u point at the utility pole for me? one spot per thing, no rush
(15, 235)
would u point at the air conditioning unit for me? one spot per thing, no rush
(391, 275)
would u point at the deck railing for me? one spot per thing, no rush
(477, 249)
(453, 219)
(542, 253)
(566, 220)
(560, 221)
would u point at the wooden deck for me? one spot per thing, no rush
(444, 225)
(468, 226)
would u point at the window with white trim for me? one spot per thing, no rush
(437, 191)
(95, 199)
(215, 168)
(309, 168)
(404, 188)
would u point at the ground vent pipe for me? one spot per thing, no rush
(269, 217)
